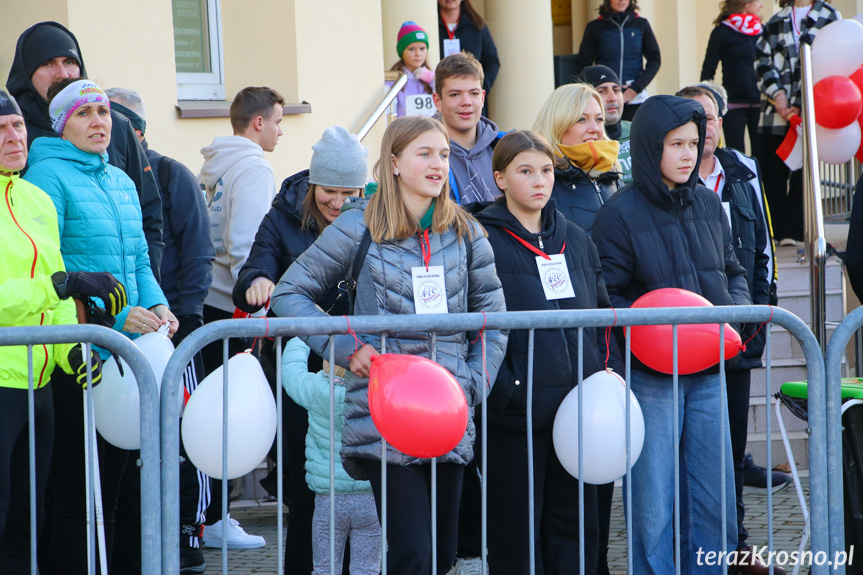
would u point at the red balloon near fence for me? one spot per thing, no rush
(697, 344)
(417, 405)
(837, 102)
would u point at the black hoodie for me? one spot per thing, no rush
(556, 350)
(124, 150)
(280, 240)
(651, 237)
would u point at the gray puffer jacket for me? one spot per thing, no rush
(384, 287)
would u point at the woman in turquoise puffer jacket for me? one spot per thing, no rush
(99, 217)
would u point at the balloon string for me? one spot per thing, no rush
(357, 342)
(267, 321)
(759, 329)
(479, 337)
(608, 338)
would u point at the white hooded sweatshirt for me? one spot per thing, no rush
(239, 187)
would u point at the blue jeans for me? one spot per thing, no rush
(652, 504)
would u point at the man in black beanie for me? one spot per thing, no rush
(47, 53)
(607, 84)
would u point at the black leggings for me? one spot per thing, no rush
(15, 472)
(63, 548)
(734, 126)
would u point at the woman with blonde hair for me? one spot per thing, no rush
(586, 172)
(413, 226)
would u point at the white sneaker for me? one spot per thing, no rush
(469, 566)
(237, 538)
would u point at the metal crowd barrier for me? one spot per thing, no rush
(149, 394)
(833, 370)
(392, 325)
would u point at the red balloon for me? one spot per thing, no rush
(859, 154)
(837, 102)
(417, 405)
(857, 78)
(697, 344)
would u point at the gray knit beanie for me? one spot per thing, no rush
(339, 161)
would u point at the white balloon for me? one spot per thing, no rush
(116, 402)
(858, 18)
(251, 419)
(837, 146)
(837, 49)
(604, 429)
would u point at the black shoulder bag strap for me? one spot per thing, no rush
(349, 285)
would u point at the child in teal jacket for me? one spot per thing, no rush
(356, 514)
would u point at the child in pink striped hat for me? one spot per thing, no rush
(415, 99)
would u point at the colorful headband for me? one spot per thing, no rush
(72, 97)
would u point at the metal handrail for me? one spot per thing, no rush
(816, 242)
(382, 107)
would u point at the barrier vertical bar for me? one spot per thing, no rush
(580, 450)
(332, 344)
(484, 481)
(280, 439)
(433, 357)
(31, 437)
(383, 484)
(88, 484)
(768, 432)
(675, 413)
(627, 484)
(224, 493)
(723, 428)
(531, 500)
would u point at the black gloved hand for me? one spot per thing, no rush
(79, 366)
(188, 324)
(102, 285)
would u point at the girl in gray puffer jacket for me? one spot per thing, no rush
(413, 223)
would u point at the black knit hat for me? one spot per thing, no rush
(45, 43)
(8, 105)
(598, 75)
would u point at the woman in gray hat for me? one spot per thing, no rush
(307, 202)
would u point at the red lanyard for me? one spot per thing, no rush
(425, 247)
(718, 181)
(537, 251)
(449, 32)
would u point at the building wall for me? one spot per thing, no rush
(333, 53)
(322, 60)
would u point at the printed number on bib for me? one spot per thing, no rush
(429, 289)
(554, 277)
(420, 105)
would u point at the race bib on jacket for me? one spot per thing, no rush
(420, 105)
(555, 277)
(429, 289)
(451, 47)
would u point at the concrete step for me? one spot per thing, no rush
(757, 445)
(798, 303)
(794, 276)
(783, 345)
(781, 371)
(758, 419)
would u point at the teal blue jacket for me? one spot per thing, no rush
(99, 217)
(312, 391)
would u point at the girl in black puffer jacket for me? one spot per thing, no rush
(586, 173)
(523, 224)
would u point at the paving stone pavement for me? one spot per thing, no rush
(259, 518)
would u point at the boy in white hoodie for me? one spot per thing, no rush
(239, 186)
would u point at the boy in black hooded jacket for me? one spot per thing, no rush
(666, 230)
